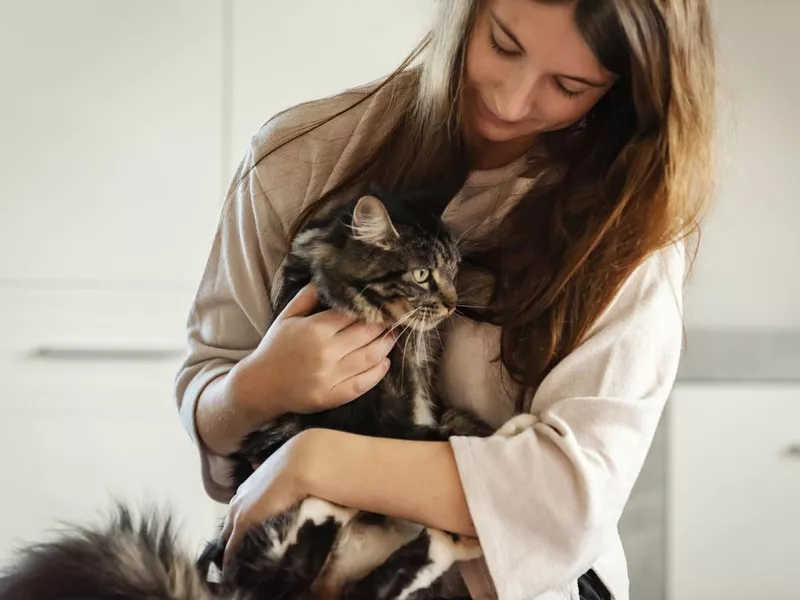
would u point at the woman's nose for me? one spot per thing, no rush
(515, 100)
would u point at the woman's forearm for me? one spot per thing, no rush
(416, 481)
(223, 417)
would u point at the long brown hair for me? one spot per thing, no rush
(633, 177)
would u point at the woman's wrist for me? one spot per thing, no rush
(229, 409)
(307, 461)
(254, 399)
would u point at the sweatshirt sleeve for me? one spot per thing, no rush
(231, 310)
(546, 503)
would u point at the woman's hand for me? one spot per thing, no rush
(413, 481)
(307, 364)
(274, 487)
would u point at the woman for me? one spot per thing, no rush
(585, 126)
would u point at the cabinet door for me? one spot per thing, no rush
(71, 466)
(87, 414)
(111, 139)
(734, 492)
(78, 434)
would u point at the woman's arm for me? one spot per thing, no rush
(245, 366)
(544, 503)
(304, 364)
(416, 481)
(220, 425)
(229, 316)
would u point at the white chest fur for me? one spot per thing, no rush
(419, 356)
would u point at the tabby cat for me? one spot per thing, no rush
(387, 260)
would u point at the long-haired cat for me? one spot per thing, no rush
(387, 260)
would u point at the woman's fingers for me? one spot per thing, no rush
(302, 304)
(357, 336)
(231, 546)
(365, 358)
(332, 321)
(353, 387)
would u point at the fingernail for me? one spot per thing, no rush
(386, 363)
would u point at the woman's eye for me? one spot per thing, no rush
(499, 49)
(421, 275)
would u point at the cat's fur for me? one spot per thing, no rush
(387, 261)
(364, 259)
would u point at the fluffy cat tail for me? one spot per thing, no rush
(127, 559)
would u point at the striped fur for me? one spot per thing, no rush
(389, 261)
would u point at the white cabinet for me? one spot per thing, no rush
(111, 185)
(87, 414)
(734, 492)
(69, 466)
(110, 140)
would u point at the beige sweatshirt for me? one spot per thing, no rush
(545, 503)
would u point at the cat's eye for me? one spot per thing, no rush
(421, 275)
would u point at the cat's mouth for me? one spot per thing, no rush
(420, 318)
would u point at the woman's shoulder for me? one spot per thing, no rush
(653, 292)
(307, 147)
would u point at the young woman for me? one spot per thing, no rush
(585, 128)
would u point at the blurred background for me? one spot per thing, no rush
(121, 124)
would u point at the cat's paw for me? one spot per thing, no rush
(454, 546)
(516, 425)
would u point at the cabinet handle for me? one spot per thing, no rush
(105, 353)
(794, 450)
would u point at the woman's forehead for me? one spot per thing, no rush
(548, 31)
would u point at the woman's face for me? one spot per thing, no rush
(528, 71)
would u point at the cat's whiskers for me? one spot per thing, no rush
(400, 321)
(439, 336)
(471, 289)
(420, 349)
(465, 232)
(407, 321)
(405, 350)
(461, 316)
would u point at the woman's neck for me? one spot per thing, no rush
(488, 155)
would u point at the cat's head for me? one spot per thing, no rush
(385, 261)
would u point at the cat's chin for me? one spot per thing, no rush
(427, 325)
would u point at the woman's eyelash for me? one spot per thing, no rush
(498, 48)
(567, 92)
(503, 52)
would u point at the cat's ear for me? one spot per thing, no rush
(371, 222)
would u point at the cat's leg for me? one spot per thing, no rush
(282, 557)
(307, 546)
(412, 570)
(366, 542)
(460, 422)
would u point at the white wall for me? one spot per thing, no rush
(748, 272)
(284, 53)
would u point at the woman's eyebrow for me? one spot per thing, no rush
(508, 32)
(583, 80)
